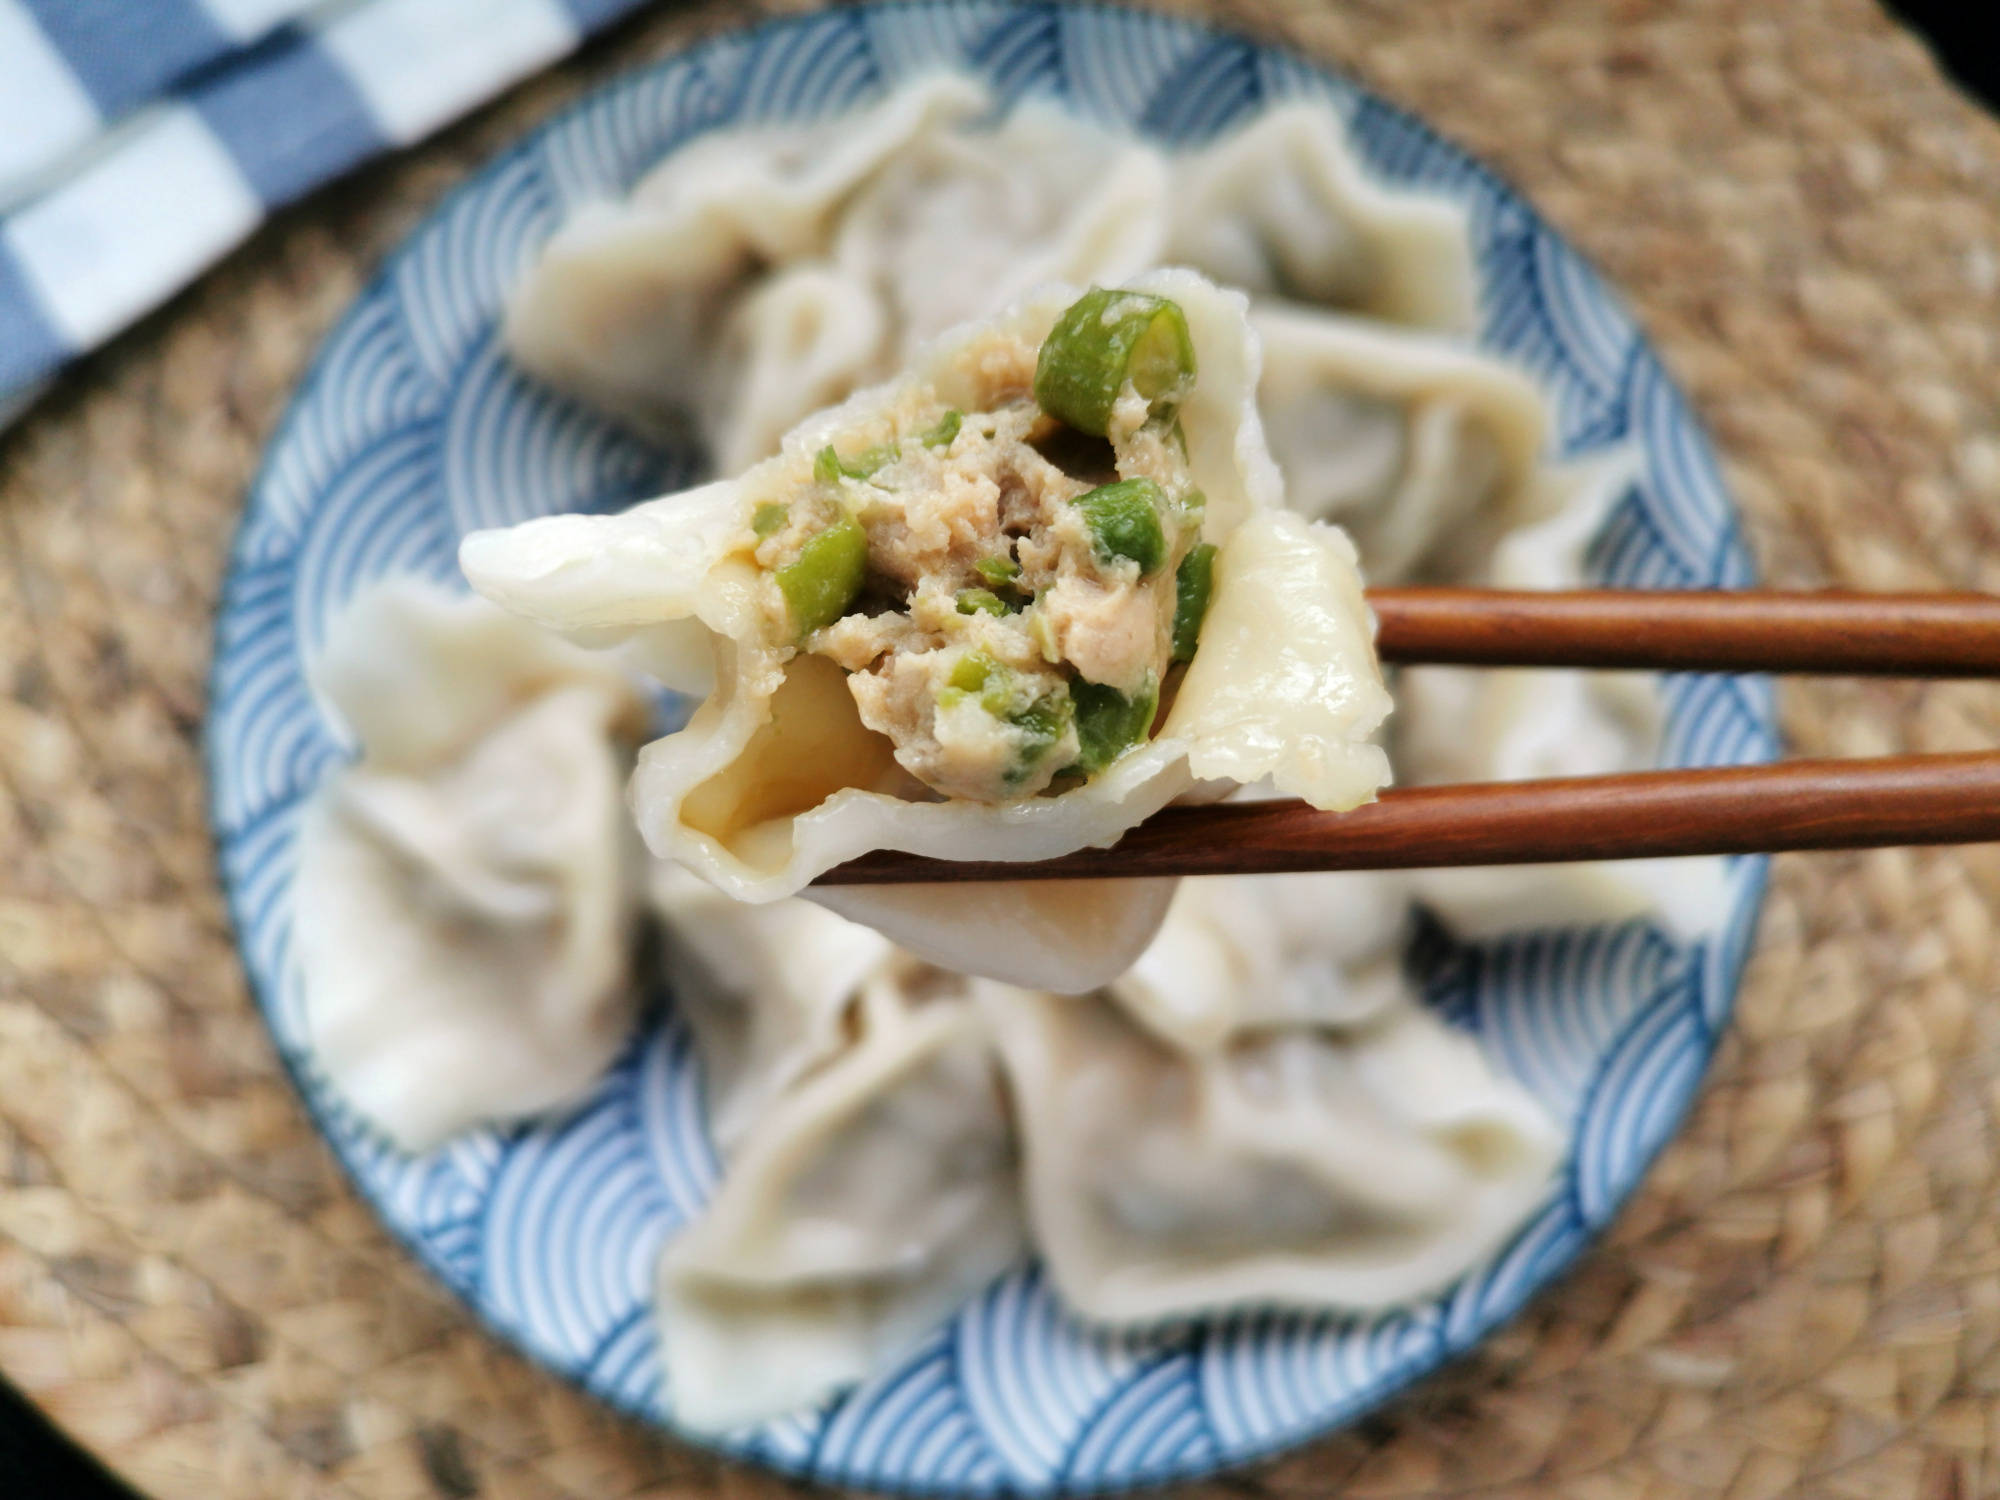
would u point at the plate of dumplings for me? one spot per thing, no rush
(965, 428)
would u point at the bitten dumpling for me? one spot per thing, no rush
(1008, 606)
(464, 898)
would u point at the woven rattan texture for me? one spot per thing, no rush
(1805, 1298)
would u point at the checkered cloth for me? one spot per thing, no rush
(141, 139)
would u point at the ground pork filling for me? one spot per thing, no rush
(1001, 588)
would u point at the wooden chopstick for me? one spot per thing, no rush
(1905, 635)
(1799, 804)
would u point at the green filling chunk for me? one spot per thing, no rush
(830, 468)
(825, 577)
(769, 518)
(1108, 723)
(1124, 519)
(941, 436)
(1104, 339)
(1041, 724)
(997, 570)
(980, 602)
(1192, 586)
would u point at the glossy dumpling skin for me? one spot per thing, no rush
(1283, 209)
(463, 903)
(866, 1202)
(626, 304)
(776, 779)
(759, 275)
(1350, 1168)
(1426, 452)
(1256, 952)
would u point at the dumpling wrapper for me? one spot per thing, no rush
(463, 904)
(1252, 952)
(868, 1201)
(775, 780)
(1354, 1168)
(766, 990)
(625, 303)
(1425, 451)
(1282, 208)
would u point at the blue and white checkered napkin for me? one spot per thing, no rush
(141, 139)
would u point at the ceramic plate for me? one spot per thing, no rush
(413, 429)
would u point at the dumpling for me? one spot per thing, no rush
(868, 1200)
(1425, 451)
(1317, 1168)
(1457, 724)
(938, 602)
(624, 304)
(464, 900)
(962, 222)
(1282, 209)
(766, 990)
(1254, 952)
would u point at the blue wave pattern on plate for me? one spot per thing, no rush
(413, 429)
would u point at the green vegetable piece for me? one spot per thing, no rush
(972, 670)
(1124, 519)
(1108, 723)
(769, 518)
(1042, 724)
(997, 570)
(980, 602)
(1192, 585)
(830, 468)
(1105, 338)
(941, 436)
(824, 578)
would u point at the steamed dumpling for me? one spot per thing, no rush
(1253, 952)
(961, 223)
(1316, 1168)
(1282, 209)
(868, 1200)
(1424, 451)
(766, 990)
(625, 303)
(918, 711)
(463, 904)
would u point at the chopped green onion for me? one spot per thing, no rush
(769, 518)
(997, 570)
(1108, 723)
(829, 467)
(1042, 725)
(824, 578)
(1105, 339)
(980, 602)
(971, 671)
(1192, 586)
(1124, 520)
(941, 436)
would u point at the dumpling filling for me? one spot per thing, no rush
(1008, 582)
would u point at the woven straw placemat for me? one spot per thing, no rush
(1805, 1297)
